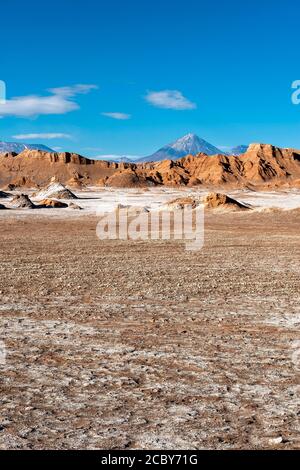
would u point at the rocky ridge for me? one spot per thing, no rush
(262, 165)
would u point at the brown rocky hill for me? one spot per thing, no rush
(38, 167)
(261, 165)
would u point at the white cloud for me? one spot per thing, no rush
(42, 136)
(120, 116)
(60, 101)
(169, 99)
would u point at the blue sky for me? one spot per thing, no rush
(149, 72)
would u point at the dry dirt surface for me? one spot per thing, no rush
(125, 345)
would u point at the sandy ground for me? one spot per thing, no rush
(124, 345)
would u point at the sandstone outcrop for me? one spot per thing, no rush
(52, 203)
(21, 201)
(55, 190)
(222, 201)
(210, 201)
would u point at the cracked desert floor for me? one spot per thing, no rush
(139, 344)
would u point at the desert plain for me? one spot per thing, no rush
(113, 344)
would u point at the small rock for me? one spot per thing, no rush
(74, 206)
(275, 440)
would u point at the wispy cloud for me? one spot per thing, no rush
(50, 135)
(79, 89)
(223, 147)
(92, 149)
(169, 99)
(60, 101)
(116, 158)
(119, 116)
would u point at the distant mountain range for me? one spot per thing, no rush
(189, 144)
(239, 150)
(18, 147)
(116, 158)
